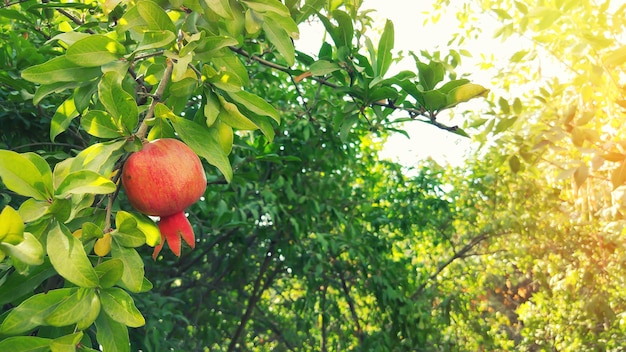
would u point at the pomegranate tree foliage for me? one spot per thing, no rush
(558, 127)
(304, 233)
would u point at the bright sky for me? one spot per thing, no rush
(411, 35)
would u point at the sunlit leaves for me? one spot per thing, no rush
(384, 55)
(112, 335)
(618, 175)
(72, 308)
(94, 50)
(11, 226)
(132, 275)
(204, 142)
(616, 58)
(154, 16)
(118, 305)
(323, 67)
(33, 311)
(26, 174)
(29, 251)
(59, 69)
(465, 93)
(68, 257)
(119, 103)
(281, 39)
(84, 181)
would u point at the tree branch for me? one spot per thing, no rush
(432, 116)
(463, 253)
(355, 317)
(254, 297)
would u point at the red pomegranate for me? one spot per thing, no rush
(163, 179)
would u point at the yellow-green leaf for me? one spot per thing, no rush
(26, 174)
(68, 257)
(60, 69)
(84, 181)
(95, 50)
(11, 226)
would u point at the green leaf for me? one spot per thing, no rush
(149, 230)
(71, 309)
(110, 272)
(68, 257)
(220, 7)
(25, 344)
(85, 181)
(345, 29)
(231, 72)
(95, 50)
(212, 44)
(281, 40)
(434, 100)
(155, 17)
(448, 86)
(119, 103)
(184, 87)
(230, 115)
(120, 306)
(17, 285)
(83, 95)
(132, 277)
(310, 8)
(204, 142)
(285, 22)
(29, 251)
(264, 124)
(54, 88)
(255, 104)
(514, 164)
(33, 311)
(66, 112)
(133, 22)
(67, 343)
(127, 233)
(225, 136)
(32, 209)
(100, 124)
(155, 39)
(113, 336)
(11, 226)
(91, 315)
(25, 174)
(384, 57)
(466, 92)
(323, 67)
(60, 69)
(212, 108)
(99, 157)
(253, 22)
(430, 74)
(61, 208)
(264, 6)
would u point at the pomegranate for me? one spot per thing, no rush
(163, 179)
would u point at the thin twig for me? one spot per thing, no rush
(143, 128)
(432, 116)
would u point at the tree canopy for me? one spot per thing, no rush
(305, 238)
